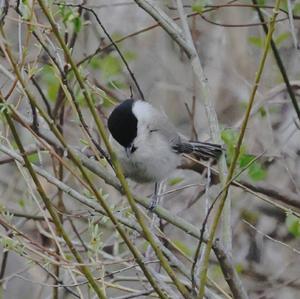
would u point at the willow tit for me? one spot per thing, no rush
(147, 144)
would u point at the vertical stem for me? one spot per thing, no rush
(137, 255)
(279, 63)
(51, 210)
(213, 228)
(117, 168)
(213, 127)
(60, 204)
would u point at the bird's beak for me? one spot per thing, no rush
(128, 151)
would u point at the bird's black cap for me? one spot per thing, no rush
(122, 123)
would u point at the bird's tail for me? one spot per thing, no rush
(202, 150)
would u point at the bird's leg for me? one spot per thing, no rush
(154, 197)
(149, 254)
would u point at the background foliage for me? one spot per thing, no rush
(68, 229)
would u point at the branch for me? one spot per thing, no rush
(74, 158)
(161, 212)
(187, 44)
(117, 168)
(233, 164)
(280, 63)
(111, 41)
(102, 172)
(4, 11)
(85, 270)
(290, 199)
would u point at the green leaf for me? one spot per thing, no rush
(129, 55)
(174, 181)
(261, 2)
(293, 224)
(230, 138)
(256, 41)
(95, 237)
(33, 158)
(21, 202)
(25, 9)
(262, 112)
(281, 38)
(8, 244)
(95, 63)
(84, 142)
(199, 5)
(66, 14)
(110, 66)
(4, 108)
(108, 102)
(183, 247)
(283, 5)
(116, 84)
(239, 268)
(249, 216)
(80, 99)
(69, 257)
(77, 23)
(51, 81)
(245, 160)
(257, 172)
(296, 9)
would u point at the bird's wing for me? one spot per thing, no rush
(166, 128)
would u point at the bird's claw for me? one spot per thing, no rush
(153, 203)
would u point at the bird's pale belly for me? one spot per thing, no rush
(143, 170)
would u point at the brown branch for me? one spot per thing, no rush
(226, 262)
(284, 196)
(28, 151)
(4, 11)
(113, 43)
(288, 198)
(161, 212)
(279, 63)
(209, 8)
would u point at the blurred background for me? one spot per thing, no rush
(230, 42)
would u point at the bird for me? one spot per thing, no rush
(148, 145)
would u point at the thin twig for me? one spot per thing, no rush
(233, 164)
(292, 25)
(53, 214)
(4, 11)
(119, 173)
(295, 250)
(112, 43)
(280, 65)
(161, 212)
